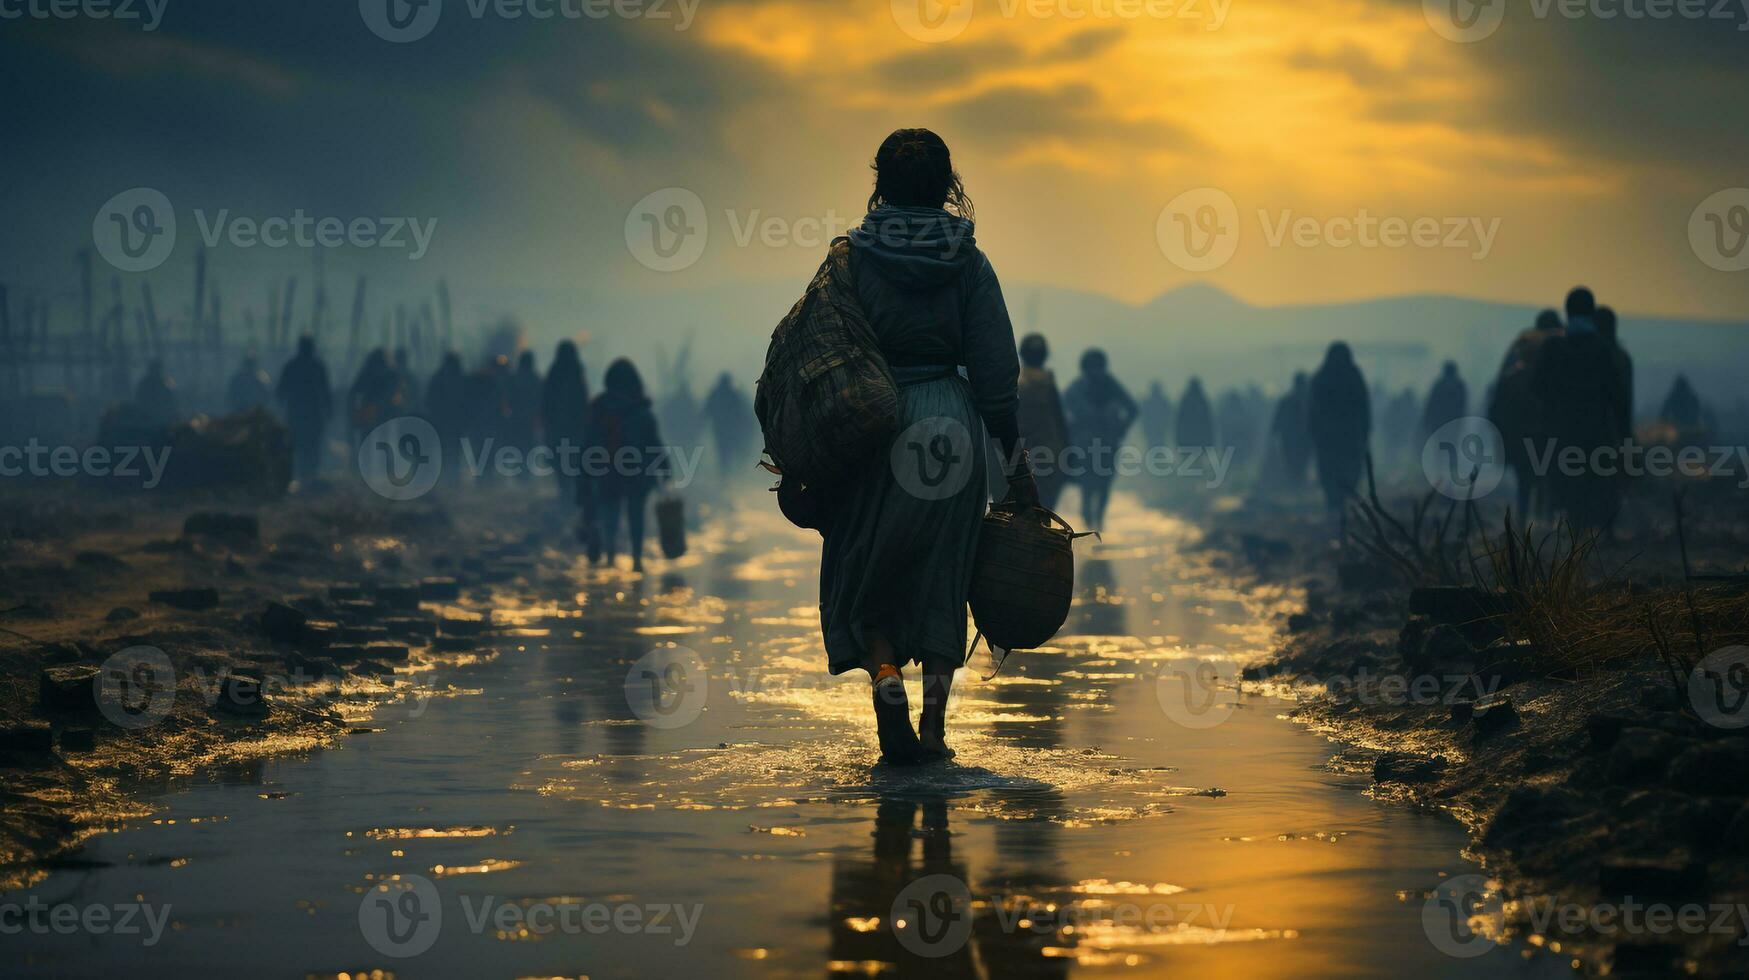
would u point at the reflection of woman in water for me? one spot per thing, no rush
(897, 562)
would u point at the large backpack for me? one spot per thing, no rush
(826, 401)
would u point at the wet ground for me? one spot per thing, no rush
(654, 776)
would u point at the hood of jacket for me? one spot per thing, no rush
(915, 248)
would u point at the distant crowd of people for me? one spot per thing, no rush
(495, 406)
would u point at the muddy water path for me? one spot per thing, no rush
(654, 776)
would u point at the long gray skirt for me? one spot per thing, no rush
(898, 555)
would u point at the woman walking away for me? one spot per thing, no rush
(898, 556)
(564, 408)
(623, 433)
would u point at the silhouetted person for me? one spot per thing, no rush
(375, 397)
(1580, 391)
(1156, 416)
(1293, 438)
(1339, 418)
(308, 400)
(1448, 400)
(564, 412)
(1195, 428)
(1100, 412)
(446, 408)
(487, 401)
(1624, 365)
(625, 439)
(1044, 429)
(155, 401)
(731, 417)
(1516, 408)
(250, 387)
(1682, 407)
(522, 397)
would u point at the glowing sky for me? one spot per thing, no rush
(1581, 145)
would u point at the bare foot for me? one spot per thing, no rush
(934, 747)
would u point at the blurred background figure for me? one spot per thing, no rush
(623, 423)
(375, 397)
(1156, 417)
(1099, 412)
(1044, 429)
(1339, 419)
(730, 414)
(1578, 386)
(522, 399)
(1196, 420)
(155, 401)
(307, 399)
(1448, 400)
(446, 400)
(1290, 437)
(1516, 408)
(1683, 410)
(484, 422)
(564, 412)
(249, 388)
